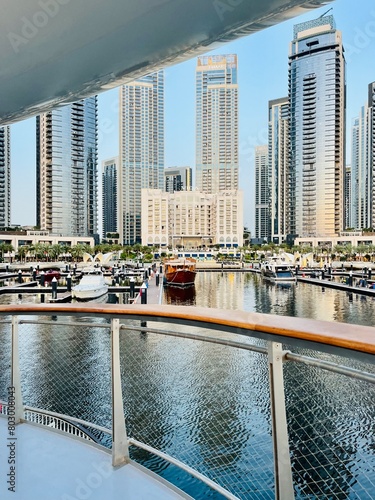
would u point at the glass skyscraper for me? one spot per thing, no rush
(66, 169)
(278, 161)
(363, 165)
(4, 176)
(371, 148)
(109, 195)
(216, 123)
(141, 150)
(262, 195)
(317, 129)
(360, 173)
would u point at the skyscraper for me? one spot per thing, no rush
(177, 179)
(360, 173)
(262, 195)
(141, 150)
(363, 165)
(109, 195)
(317, 129)
(371, 148)
(66, 155)
(278, 162)
(216, 123)
(4, 176)
(348, 196)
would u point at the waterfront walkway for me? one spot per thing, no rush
(154, 290)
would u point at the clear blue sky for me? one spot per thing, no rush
(263, 75)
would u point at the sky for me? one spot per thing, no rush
(262, 76)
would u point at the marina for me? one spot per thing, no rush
(206, 403)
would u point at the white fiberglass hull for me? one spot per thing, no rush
(89, 294)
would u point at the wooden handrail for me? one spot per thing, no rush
(341, 335)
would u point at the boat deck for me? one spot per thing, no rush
(52, 465)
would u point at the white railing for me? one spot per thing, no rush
(305, 432)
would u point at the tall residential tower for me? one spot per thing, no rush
(262, 194)
(141, 150)
(371, 148)
(4, 176)
(66, 156)
(317, 129)
(216, 123)
(109, 195)
(278, 162)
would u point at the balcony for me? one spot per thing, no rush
(103, 411)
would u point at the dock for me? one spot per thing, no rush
(154, 294)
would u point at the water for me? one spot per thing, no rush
(250, 292)
(209, 404)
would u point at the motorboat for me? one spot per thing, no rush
(91, 286)
(180, 271)
(277, 270)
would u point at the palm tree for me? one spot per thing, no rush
(77, 252)
(5, 248)
(55, 251)
(22, 251)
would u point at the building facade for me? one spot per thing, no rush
(109, 195)
(4, 176)
(371, 148)
(278, 161)
(178, 179)
(348, 196)
(31, 237)
(192, 219)
(360, 173)
(216, 123)
(67, 177)
(262, 194)
(317, 129)
(362, 205)
(141, 163)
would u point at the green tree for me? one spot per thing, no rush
(5, 248)
(22, 252)
(77, 252)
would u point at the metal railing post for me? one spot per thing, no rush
(282, 465)
(15, 388)
(120, 446)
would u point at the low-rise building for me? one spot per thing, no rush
(353, 238)
(33, 237)
(192, 219)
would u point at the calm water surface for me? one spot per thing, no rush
(209, 404)
(250, 292)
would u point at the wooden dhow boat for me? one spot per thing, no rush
(180, 271)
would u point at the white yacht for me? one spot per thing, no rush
(91, 286)
(277, 270)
